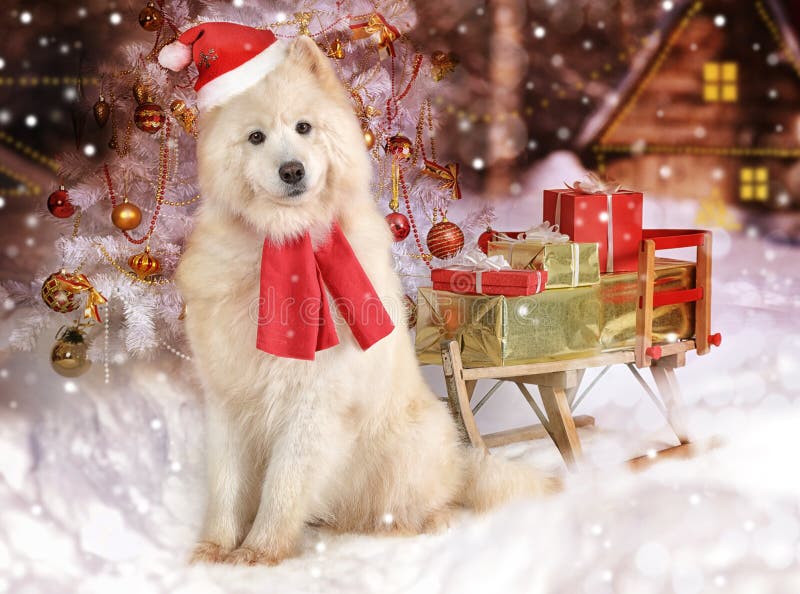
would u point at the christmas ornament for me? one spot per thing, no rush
(143, 264)
(141, 93)
(442, 64)
(150, 18)
(399, 225)
(369, 138)
(69, 357)
(59, 291)
(126, 216)
(161, 187)
(379, 29)
(101, 111)
(149, 117)
(401, 149)
(59, 205)
(336, 50)
(484, 239)
(445, 239)
(56, 296)
(447, 173)
(399, 146)
(186, 116)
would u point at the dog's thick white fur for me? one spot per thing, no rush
(354, 440)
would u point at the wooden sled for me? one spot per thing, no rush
(558, 382)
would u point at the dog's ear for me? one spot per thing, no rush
(305, 54)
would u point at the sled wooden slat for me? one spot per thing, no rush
(528, 433)
(612, 358)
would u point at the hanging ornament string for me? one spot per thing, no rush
(393, 102)
(163, 170)
(424, 255)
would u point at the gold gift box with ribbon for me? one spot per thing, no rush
(499, 330)
(567, 264)
(618, 293)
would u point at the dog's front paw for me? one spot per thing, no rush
(248, 556)
(208, 552)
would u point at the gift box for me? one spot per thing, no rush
(567, 264)
(498, 330)
(613, 220)
(618, 293)
(489, 282)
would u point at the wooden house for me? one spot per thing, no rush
(712, 108)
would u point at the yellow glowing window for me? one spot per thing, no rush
(754, 183)
(720, 81)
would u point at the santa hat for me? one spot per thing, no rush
(230, 58)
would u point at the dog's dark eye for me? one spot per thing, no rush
(303, 127)
(256, 137)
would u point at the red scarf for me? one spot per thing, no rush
(294, 319)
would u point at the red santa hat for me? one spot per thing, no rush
(230, 58)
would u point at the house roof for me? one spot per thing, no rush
(658, 107)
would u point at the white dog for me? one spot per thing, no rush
(354, 440)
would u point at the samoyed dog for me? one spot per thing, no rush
(353, 440)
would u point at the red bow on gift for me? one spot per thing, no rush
(385, 34)
(78, 283)
(447, 173)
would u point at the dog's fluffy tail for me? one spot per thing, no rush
(492, 481)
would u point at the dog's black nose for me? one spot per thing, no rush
(292, 172)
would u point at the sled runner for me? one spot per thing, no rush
(558, 382)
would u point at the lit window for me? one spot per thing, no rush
(719, 81)
(754, 184)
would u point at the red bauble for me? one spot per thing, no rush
(398, 224)
(59, 205)
(149, 117)
(484, 239)
(445, 239)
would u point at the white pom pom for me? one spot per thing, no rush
(175, 56)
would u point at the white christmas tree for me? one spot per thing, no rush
(125, 220)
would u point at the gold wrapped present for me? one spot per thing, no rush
(568, 264)
(618, 296)
(499, 330)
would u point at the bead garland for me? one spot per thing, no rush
(425, 257)
(163, 170)
(106, 367)
(176, 352)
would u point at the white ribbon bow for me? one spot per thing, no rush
(594, 184)
(544, 233)
(476, 261)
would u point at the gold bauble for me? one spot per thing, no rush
(69, 357)
(141, 93)
(144, 265)
(126, 216)
(101, 112)
(150, 18)
(369, 138)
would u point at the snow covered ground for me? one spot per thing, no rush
(101, 485)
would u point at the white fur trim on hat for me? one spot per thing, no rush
(242, 77)
(176, 56)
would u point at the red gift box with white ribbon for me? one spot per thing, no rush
(474, 273)
(511, 283)
(590, 212)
